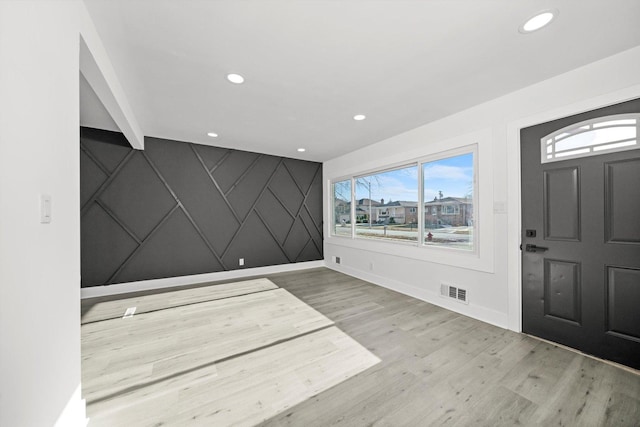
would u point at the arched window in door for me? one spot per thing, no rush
(592, 137)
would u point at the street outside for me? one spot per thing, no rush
(449, 236)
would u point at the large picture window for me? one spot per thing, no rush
(385, 205)
(430, 202)
(448, 194)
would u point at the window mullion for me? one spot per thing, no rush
(420, 206)
(353, 208)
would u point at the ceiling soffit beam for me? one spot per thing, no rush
(96, 67)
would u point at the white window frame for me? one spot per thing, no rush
(389, 209)
(469, 149)
(419, 164)
(487, 210)
(332, 211)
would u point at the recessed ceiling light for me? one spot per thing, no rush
(302, 150)
(212, 134)
(235, 78)
(359, 117)
(538, 21)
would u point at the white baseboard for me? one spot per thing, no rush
(146, 285)
(74, 413)
(479, 313)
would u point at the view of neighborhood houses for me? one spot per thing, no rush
(386, 204)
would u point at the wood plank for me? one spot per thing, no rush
(585, 388)
(540, 372)
(248, 389)
(113, 307)
(123, 354)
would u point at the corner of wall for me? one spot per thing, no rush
(98, 70)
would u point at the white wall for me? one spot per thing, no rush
(493, 279)
(39, 263)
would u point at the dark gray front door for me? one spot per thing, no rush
(581, 243)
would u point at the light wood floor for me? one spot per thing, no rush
(441, 368)
(246, 352)
(113, 307)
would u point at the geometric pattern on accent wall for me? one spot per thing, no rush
(178, 208)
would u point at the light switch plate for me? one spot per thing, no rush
(45, 209)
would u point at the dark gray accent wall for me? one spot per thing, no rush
(177, 209)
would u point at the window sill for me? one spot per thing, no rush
(472, 260)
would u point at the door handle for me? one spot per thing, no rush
(534, 248)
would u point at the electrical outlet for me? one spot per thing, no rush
(371, 266)
(337, 260)
(241, 262)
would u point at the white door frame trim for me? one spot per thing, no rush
(514, 261)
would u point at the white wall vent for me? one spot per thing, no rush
(454, 292)
(462, 295)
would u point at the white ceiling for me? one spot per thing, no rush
(310, 66)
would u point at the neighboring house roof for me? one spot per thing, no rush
(366, 202)
(449, 200)
(400, 203)
(361, 203)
